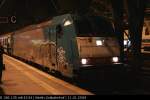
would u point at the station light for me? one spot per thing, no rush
(84, 61)
(125, 42)
(115, 59)
(67, 22)
(99, 42)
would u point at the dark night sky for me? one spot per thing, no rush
(34, 11)
(26, 12)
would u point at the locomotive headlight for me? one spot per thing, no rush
(99, 42)
(115, 59)
(67, 22)
(84, 61)
(125, 42)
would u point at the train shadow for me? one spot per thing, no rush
(110, 80)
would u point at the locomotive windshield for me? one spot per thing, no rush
(94, 26)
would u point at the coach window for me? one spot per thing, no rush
(5, 41)
(147, 31)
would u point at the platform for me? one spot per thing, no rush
(22, 79)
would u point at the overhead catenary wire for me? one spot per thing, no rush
(2, 3)
(54, 4)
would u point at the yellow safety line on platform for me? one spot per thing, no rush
(36, 80)
(63, 83)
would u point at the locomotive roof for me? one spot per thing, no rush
(34, 26)
(85, 25)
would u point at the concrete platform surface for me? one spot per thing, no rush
(22, 79)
